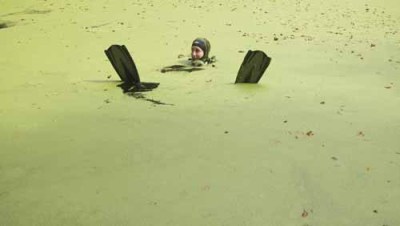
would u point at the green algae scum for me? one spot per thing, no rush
(315, 142)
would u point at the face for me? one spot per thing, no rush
(197, 53)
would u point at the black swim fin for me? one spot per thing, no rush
(126, 69)
(253, 67)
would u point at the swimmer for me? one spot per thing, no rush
(200, 50)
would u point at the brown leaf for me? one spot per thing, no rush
(304, 214)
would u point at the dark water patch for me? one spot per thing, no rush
(137, 91)
(27, 11)
(4, 25)
(35, 11)
(4, 193)
(11, 14)
(142, 97)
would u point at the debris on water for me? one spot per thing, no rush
(322, 102)
(375, 211)
(36, 11)
(285, 121)
(107, 101)
(372, 45)
(389, 86)
(301, 134)
(360, 133)
(341, 110)
(206, 188)
(181, 56)
(276, 39)
(109, 76)
(334, 158)
(304, 214)
(100, 25)
(226, 132)
(240, 51)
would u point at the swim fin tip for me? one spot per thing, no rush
(254, 64)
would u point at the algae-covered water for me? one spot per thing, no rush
(316, 142)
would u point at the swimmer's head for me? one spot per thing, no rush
(200, 49)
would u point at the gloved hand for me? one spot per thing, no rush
(197, 63)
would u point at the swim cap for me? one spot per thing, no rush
(204, 45)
